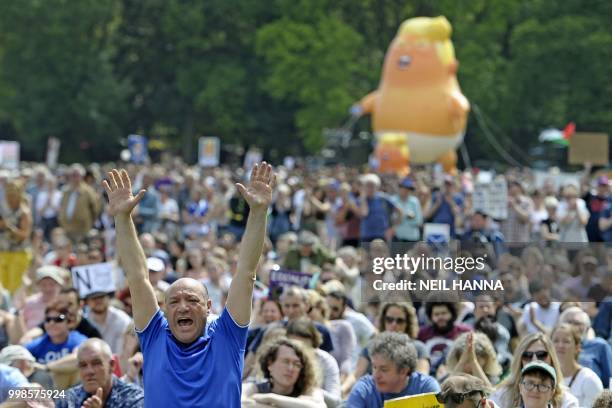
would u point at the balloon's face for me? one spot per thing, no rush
(411, 60)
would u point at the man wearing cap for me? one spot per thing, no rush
(184, 364)
(465, 391)
(408, 229)
(479, 234)
(538, 385)
(376, 210)
(109, 320)
(307, 253)
(10, 378)
(49, 282)
(20, 358)
(156, 269)
(596, 204)
(445, 205)
(605, 220)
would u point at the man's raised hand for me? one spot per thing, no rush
(258, 193)
(95, 401)
(119, 190)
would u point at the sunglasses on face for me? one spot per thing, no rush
(398, 320)
(456, 399)
(55, 319)
(540, 355)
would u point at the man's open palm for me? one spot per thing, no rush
(119, 190)
(258, 193)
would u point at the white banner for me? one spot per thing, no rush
(94, 278)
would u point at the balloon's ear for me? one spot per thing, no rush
(453, 66)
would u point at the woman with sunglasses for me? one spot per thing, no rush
(58, 341)
(535, 347)
(289, 378)
(398, 317)
(583, 383)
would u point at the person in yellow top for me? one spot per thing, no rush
(15, 230)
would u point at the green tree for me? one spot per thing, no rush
(56, 74)
(313, 59)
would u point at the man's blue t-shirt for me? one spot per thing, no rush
(365, 394)
(445, 215)
(378, 220)
(606, 235)
(206, 373)
(44, 351)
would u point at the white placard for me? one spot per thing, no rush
(436, 233)
(94, 278)
(9, 154)
(53, 147)
(484, 177)
(208, 151)
(492, 199)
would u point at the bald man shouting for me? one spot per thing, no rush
(184, 366)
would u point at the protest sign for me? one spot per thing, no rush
(93, 278)
(589, 147)
(9, 154)
(137, 146)
(492, 199)
(208, 151)
(281, 278)
(436, 233)
(421, 400)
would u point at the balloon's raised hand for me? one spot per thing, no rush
(119, 190)
(258, 192)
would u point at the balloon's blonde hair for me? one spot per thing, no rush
(431, 31)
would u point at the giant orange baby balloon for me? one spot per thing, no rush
(418, 99)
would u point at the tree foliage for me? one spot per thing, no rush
(277, 73)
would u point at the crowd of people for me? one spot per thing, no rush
(193, 249)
